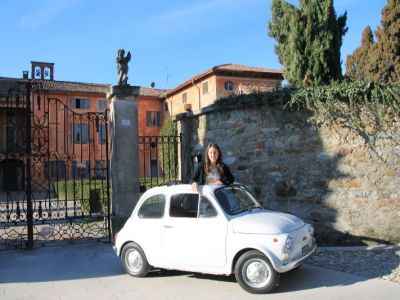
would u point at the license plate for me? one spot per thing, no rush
(305, 249)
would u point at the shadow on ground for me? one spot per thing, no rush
(99, 261)
(304, 278)
(59, 263)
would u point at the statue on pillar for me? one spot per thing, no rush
(122, 66)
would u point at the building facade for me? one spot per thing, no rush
(68, 129)
(75, 136)
(220, 81)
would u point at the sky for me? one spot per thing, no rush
(170, 40)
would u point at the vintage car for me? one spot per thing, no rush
(221, 230)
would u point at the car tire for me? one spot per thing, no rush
(134, 260)
(255, 273)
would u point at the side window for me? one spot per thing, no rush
(152, 208)
(206, 209)
(205, 87)
(184, 205)
(228, 85)
(152, 118)
(79, 103)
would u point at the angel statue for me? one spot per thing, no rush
(122, 66)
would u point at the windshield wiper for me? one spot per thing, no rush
(248, 208)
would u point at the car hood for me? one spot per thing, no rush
(266, 222)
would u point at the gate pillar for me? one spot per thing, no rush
(124, 162)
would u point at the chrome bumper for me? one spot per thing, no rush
(297, 262)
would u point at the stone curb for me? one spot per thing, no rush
(359, 248)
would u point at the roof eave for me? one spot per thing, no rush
(194, 79)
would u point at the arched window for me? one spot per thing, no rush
(47, 73)
(228, 85)
(38, 72)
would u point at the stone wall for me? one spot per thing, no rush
(328, 175)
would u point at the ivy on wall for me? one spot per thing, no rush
(361, 106)
(365, 107)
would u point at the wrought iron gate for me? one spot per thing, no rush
(54, 170)
(158, 160)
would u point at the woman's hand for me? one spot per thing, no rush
(218, 182)
(195, 187)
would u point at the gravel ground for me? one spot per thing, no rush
(372, 262)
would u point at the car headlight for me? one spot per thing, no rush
(289, 243)
(310, 229)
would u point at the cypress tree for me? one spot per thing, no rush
(358, 64)
(380, 60)
(387, 54)
(308, 40)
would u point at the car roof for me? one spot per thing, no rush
(178, 189)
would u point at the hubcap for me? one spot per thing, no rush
(256, 273)
(134, 261)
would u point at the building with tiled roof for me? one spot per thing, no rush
(218, 82)
(64, 109)
(67, 116)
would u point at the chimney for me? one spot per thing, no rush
(42, 70)
(25, 75)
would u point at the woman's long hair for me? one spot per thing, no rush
(207, 161)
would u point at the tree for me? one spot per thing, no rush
(387, 54)
(380, 60)
(309, 39)
(358, 64)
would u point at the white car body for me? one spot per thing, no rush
(213, 244)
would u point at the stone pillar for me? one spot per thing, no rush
(124, 162)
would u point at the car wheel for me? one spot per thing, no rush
(255, 273)
(134, 260)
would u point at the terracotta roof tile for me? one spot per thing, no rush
(75, 87)
(68, 86)
(241, 68)
(151, 92)
(5, 84)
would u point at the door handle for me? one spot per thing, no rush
(168, 226)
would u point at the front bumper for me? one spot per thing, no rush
(282, 268)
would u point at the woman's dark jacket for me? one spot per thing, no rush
(199, 175)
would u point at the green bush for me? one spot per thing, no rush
(168, 154)
(88, 195)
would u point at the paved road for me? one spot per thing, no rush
(92, 271)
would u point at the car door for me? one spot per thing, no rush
(194, 233)
(148, 228)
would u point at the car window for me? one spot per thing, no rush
(184, 205)
(206, 209)
(152, 208)
(236, 199)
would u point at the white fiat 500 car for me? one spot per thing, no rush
(222, 230)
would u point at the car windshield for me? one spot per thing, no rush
(236, 199)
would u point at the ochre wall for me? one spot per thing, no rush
(195, 96)
(216, 90)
